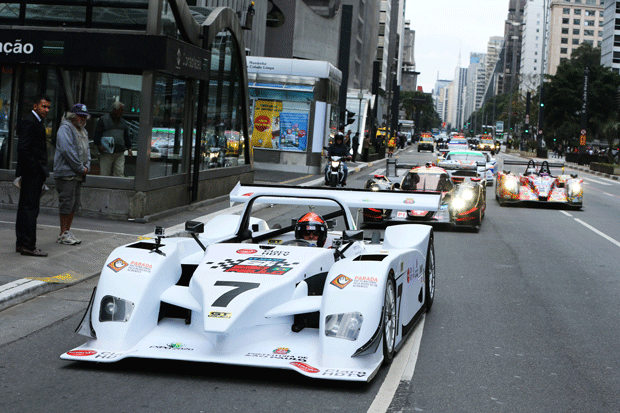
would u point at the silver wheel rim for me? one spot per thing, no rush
(390, 316)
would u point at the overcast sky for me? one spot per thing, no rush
(445, 27)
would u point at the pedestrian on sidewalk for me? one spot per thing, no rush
(32, 169)
(355, 145)
(71, 164)
(391, 146)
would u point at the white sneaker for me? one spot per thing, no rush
(74, 238)
(67, 238)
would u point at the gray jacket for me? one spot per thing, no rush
(72, 155)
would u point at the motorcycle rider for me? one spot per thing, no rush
(312, 228)
(338, 148)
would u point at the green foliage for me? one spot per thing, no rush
(564, 94)
(412, 101)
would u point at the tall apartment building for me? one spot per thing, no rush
(476, 83)
(364, 39)
(610, 47)
(459, 86)
(512, 44)
(440, 97)
(573, 22)
(533, 48)
(409, 75)
(384, 41)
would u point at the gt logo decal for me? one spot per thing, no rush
(117, 265)
(227, 297)
(341, 281)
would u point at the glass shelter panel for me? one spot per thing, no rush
(223, 143)
(167, 139)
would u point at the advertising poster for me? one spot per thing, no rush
(266, 131)
(293, 131)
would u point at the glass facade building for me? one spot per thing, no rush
(180, 72)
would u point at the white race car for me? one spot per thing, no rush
(243, 293)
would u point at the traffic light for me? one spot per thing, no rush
(350, 117)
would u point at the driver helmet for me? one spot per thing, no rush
(311, 227)
(339, 137)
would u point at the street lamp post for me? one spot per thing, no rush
(541, 96)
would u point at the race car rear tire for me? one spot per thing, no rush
(429, 276)
(390, 320)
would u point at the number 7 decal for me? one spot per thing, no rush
(227, 297)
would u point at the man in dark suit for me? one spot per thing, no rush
(32, 168)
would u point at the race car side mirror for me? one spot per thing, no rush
(194, 227)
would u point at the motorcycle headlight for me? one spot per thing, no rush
(347, 325)
(115, 309)
(335, 164)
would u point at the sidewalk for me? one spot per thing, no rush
(23, 278)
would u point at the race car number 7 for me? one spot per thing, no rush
(241, 287)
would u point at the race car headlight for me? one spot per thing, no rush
(574, 188)
(374, 188)
(467, 194)
(115, 309)
(347, 325)
(335, 164)
(511, 185)
(458, 203)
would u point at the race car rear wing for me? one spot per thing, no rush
(537, 162)
(352, 198)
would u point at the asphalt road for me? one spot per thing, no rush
(524, 320)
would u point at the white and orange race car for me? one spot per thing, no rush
(537, 185)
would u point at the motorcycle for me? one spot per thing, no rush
(334, 175)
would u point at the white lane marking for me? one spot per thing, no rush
(608, 194)
(77, 229)
(566, 213)
(402, 366)
(596, 181)
(607, 237)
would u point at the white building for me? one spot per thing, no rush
(440, 97)
(532, 45)
(610, 47)
(571, 23)
(459, 90)
(476, 83)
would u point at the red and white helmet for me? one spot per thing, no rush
(312, 223)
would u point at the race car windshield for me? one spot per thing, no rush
(426, 182)
(487, 141)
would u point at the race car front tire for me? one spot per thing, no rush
(390, 320)
(429, 276)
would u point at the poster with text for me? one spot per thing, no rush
(293, 131)
(266, 131)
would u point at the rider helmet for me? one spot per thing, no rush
(311, 226)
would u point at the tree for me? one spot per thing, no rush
(611, 131)
(564, 94)
(412, 101)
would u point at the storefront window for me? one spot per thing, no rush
(167, 140)
(102, 91)
(55, 15)
(223, 143)
(9, 13)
